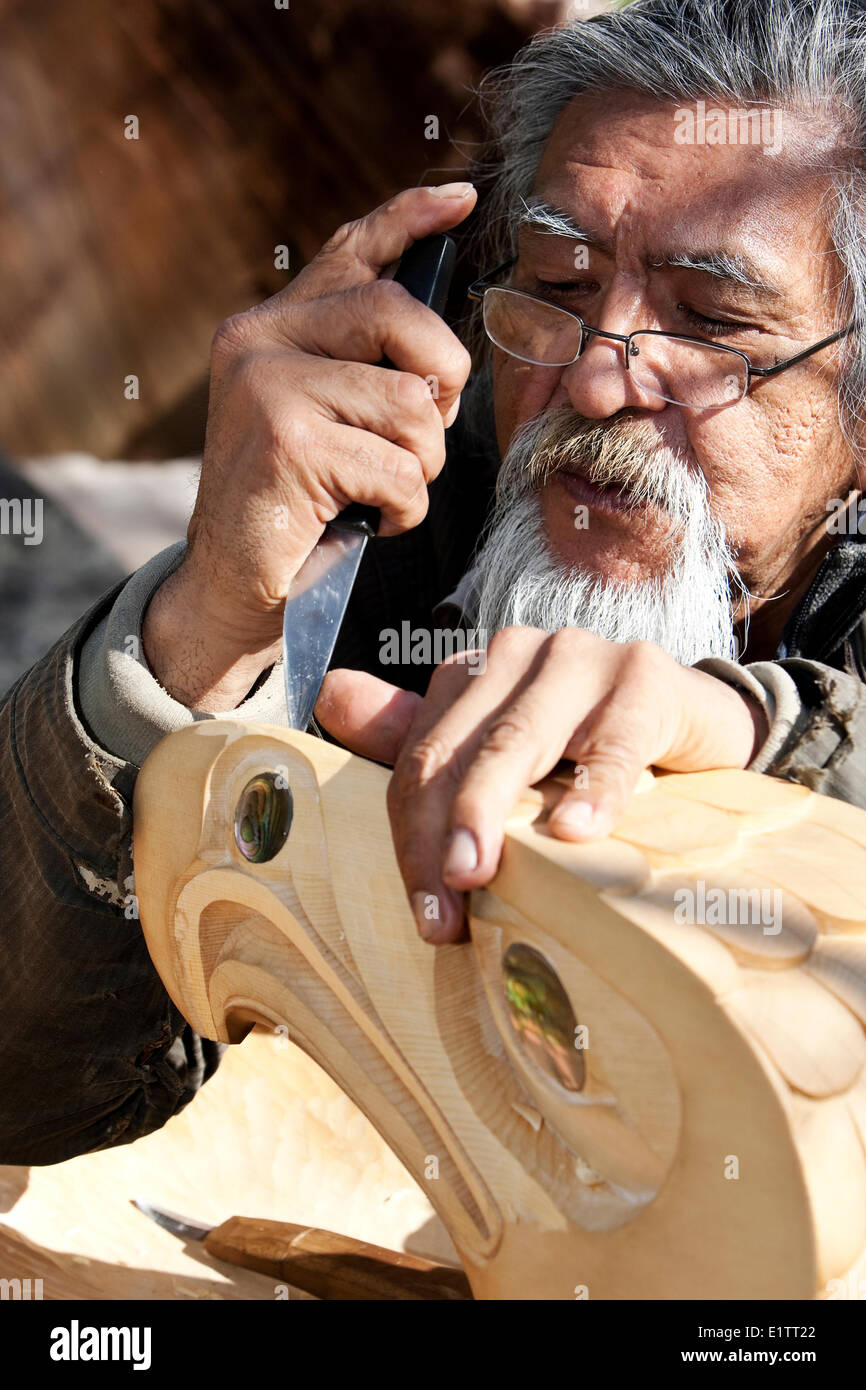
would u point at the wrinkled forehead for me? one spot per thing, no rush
(663, 171)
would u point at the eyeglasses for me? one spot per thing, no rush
(671, 366)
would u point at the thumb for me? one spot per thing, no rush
(367, 715)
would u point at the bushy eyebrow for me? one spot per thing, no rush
(734, 269)
(539, 216)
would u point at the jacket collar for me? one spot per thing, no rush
(834, 604)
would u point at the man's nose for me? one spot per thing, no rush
(599, 384)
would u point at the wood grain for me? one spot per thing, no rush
(714, 1136)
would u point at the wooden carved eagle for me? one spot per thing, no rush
(642, 1076)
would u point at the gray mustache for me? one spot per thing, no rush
(622, 452)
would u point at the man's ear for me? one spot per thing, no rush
(365, 714)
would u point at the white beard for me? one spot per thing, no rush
(518, 581)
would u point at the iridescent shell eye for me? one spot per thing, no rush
(263, 817)
(542, 1016)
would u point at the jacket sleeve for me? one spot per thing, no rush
(817, 722)
(93, 1052)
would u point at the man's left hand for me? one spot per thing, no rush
(464, 754)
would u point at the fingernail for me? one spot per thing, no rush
(461, 854)
(573, 815)
(451, 190)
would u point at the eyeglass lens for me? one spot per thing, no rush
(673, 369)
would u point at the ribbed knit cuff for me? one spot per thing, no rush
(123, 704)
(770, 686)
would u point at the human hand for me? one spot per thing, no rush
(465, 753)
(302, 421)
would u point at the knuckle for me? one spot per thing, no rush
(232, 337)
(248, 374)
(611, 752)
(644, 659)
(450, 675)
(460, 362)
(389, 476)
(434, 462)
(413, 512)
(384, 297)
(568, 640)
(449, 362)
(406, 483)
(337, 241)
(293, 435)
(396, 207)
(426, 760)
(507, 734)
(509, 642)
(288, 445)
(457, 664)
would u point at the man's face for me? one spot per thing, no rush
(772, 461)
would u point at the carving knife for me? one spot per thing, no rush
(319, 1262)
(319, 594)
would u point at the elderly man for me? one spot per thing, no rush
(637, 515)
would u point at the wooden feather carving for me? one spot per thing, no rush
(642, 1077)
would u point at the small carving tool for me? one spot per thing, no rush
(320, 591)
(323, 1263)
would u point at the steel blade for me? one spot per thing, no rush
(315, 609)
(178, 1225)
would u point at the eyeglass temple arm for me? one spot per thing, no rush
(477, 288)
(792, 361)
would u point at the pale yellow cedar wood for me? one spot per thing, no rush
(712, 1047)
(839, 963)
(270, 1135)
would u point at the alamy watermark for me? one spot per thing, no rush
(755, 125)
(845, 519)
(20, 1290)
(848, 1286)
(422, 646)
(720, 907)
(77, 1343)
(22, 517)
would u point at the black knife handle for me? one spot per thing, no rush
(425, 271)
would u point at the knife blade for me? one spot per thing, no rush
(331, 1266)
(320, 591)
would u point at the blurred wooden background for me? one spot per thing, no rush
(257, 127)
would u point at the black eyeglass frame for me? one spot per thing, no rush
(479, 287)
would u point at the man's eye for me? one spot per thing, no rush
(708, 327)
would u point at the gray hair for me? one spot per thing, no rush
(787, 54)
